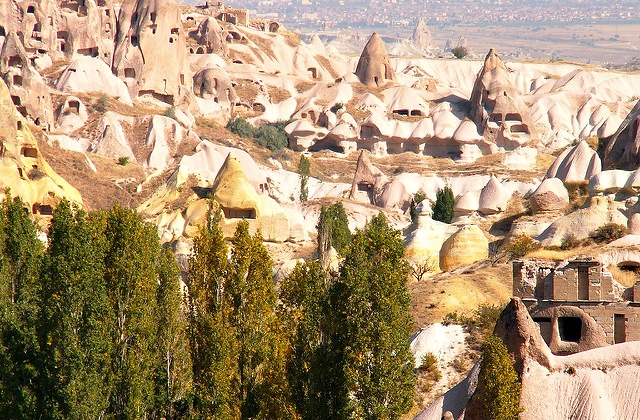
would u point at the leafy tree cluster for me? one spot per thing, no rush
(272, 136)
(91, 325)
(333, 231)
(94, 324)
(349, 349)
(443, 207)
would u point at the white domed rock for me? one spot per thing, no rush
(466, 246)
(576, 164)
(494, 197)
(551, 195)
(92, 75)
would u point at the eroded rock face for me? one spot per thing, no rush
(150, 52)
(62, 29)
(211, 36)
(576, 164)
(466, 246)
(422, 35)
(374, 68)
(215, 84)
(22, 168)
(551, 195)
(497, 107)
(622, 151)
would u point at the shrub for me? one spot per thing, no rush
(608, 233)
(413, 208)
(501, 388)
(241, 127)
(272, 136)
(36, 174)
(460, 52)
(521, 245)
(101, 105)
(337, 107)
(171, 113)
(569, 241)
(123, 161)
(443, 207)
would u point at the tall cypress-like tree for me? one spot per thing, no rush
(211, 336)
(311, 366)
(173, 366)
(73, 329)
(333, 231)
(131, 279)
(252, 315)
(22, 389)
(373, 324)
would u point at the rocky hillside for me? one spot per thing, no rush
(104, 102)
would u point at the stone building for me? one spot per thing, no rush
(577, 304)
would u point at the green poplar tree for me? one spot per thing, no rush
(498, 385)
(131, 279)
(22, 388)
(333, 231)
(173, 369)
(211, 336)
(304, 167)
(73, 328)
(372, 324)
(260, 351)
(443, 207)
(311, 367)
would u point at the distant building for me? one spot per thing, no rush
(577, 305)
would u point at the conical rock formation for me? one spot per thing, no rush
(374, 68)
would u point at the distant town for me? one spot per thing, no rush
(340, 14)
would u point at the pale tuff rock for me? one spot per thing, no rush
(112, 141)
(492, 198)
(422, 35)
(576, 164)
(72, 115)
(87, 75)
(211, 36)
(551, 195)
(368, 180)
(496, 105)
(622, 149)
(215, 84)
(598, 212)
(163, 137)
(466, 246)
(374, 68)
(22, 168)
(150, 52)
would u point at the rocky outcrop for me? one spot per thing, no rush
(575, 164)
(150, 52)
(551, 195)
(374, 68)
(210, 35)
(496, 105)
(23, 169)
(215, 84)
(623, 149)
(466, 246)
(422, 35)
(62, 29)
(368, 181)
(92, 75)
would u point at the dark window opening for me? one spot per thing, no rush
(130, 73)
(62, 34)
(30, 152)
(36, 27)
(174, 31)
(15, 61)
(3, 32)
(16, 100)
(416, 113)
(75, 106)
(200, 50)
(313, 72)
(364, 186)
(619, 328)
(153, 17)
(134, 40)
(404, 112)
(570, 328)
(31, 9)
(239, 213)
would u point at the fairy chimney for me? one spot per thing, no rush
(374, 68)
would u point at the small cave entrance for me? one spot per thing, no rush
(29, 152)
(17, 80)
(230, 213)
(631, 266)
(570, 328)
(313, 72)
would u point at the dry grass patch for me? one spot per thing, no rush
(624, 277)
